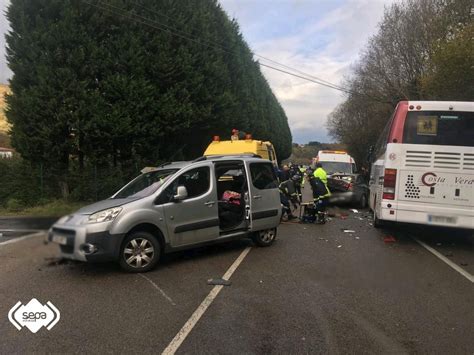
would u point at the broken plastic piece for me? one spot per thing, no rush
(389, 239)
(219, 282)
(348, 231)
(339, 246)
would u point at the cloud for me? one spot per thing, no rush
(321, 38)
(5, 72)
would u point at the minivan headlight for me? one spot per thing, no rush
(105, 215)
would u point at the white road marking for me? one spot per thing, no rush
(189, 325)
(459, 269)
(20, 230)
(159, 289)
(19, 239)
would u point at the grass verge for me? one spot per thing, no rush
(55, 208)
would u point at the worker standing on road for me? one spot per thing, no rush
(284, 174)
(319, 184)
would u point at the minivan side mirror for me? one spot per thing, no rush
(181, 193)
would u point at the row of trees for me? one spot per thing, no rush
(423, 51)
(125, 84)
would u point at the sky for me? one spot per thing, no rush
(320, 37)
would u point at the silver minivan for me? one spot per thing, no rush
(175, 206)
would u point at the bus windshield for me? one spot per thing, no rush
(333, 167)
(439, 128)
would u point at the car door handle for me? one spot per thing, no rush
(256, 197)
(209, 203)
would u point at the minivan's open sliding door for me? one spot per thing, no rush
(265, 206)
(232, 192)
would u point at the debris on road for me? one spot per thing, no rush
(348, 231)
(463, 264)
(354, 210)
(219, 282)
(56, 261)
(343, 217)
(389, 239)
(357, 238)
(339, 246)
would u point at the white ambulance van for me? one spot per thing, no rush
(335, 162)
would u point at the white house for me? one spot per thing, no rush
(6, 153)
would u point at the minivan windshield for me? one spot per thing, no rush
(332, 167)
(145, 184)
(439, 128)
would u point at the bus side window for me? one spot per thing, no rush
(382, 142)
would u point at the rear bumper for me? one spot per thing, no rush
(427, 215)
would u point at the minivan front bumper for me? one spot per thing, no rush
(77, 243)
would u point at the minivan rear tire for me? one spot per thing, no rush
(264, 238)
(140, 252)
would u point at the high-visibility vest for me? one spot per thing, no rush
(321, 175)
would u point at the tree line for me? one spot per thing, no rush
(423, 50)
(123, 84)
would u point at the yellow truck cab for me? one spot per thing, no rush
(237, 146)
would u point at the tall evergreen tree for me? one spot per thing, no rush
(110, 83)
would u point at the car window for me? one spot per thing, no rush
(263, 176)
(197, 182)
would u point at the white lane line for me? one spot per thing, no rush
(19, 239)
(459, 269)
(189, 325)
(159, 289)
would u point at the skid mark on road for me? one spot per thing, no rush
(459, 269)
(189, 325)
(159, 289)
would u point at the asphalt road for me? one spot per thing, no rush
(318, 289)
(19, 226)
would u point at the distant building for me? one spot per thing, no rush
(6, 153)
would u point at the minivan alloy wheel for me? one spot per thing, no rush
(138, 252)
(267, 235)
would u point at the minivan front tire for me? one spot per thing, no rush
(264, 238)
(140, 252)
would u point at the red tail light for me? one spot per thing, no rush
(350, 186)
(389, 183)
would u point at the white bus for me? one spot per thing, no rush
(423, 170)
